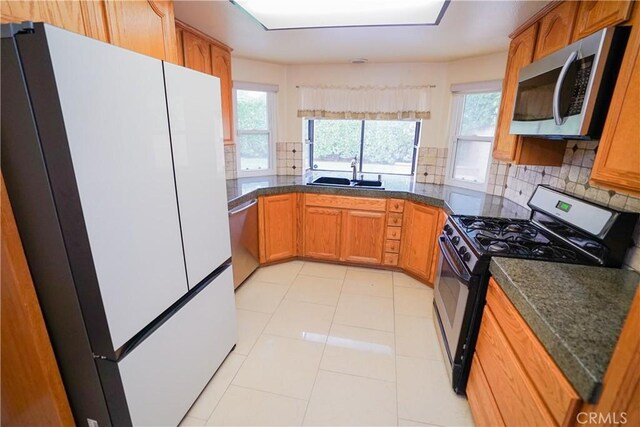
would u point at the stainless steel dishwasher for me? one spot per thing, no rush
(243, 222)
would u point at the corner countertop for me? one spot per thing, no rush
(577, 312)
(454, 200)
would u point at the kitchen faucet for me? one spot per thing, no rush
(354, 167)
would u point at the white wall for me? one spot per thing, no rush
(443, 74)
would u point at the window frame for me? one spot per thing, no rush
(457, 110)
(271, 91)
(416, 141)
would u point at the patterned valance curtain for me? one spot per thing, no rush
(365, 102)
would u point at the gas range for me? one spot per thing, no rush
(561, 228)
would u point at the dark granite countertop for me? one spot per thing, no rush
(455, 200)
(576, 311)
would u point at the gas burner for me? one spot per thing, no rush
(499, 246)
(474, 223)
(523, 229)
(554, 252)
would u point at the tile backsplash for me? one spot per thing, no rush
(573, 178)
(431, 165)
(289, 158)
(230, 166)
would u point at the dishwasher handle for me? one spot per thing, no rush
(242, 207)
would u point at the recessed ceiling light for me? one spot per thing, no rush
(298, 14)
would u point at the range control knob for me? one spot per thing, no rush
(448, 229)
(462, 250)
(466, 257)
(456, 240)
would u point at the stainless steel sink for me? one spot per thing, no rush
(331, 181)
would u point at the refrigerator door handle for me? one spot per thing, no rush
(138, 338)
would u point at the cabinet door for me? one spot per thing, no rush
(556, 28)
(519, 402)
(594, 15)
(520, 54)
(180, 46)
(617, 163)
(322, 233)
(221, 67)
(147, 27)
(363, 236)
(81, 17)
(197, 55)
(442, 218)
(419, 233)
(278, 227)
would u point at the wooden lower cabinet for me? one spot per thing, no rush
(363, 236)
(322, 227)
(513, 380)
(278, 227)
(483, 406)
(419, 231)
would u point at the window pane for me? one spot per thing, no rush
(335, 143)
(254, 151)
(471, 161)
(388, 146)
(252, 110)
(480, 114)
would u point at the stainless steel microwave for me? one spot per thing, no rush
(566, 94)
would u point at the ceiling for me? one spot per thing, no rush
(468, 28)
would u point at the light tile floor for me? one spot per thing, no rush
(330, 345)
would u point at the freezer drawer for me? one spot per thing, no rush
(164, 375)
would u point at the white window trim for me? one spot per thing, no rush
(457, 108)
(271, 91)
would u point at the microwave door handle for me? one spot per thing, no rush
(462, 276)
(556, 92)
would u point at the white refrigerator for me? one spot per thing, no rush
(114, 165)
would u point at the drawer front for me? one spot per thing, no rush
(396, 205)
(344, 202)
(390, 259)
(550, 382)
(392, 246)
(394, 219)
(394, 233)
(483, 406)
(515, 395)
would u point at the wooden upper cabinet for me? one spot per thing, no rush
(556, 29)
(594, 15)
(363, 236)
(82, 17)
(419, 231)
(617, 163)
(221, 67)
(197, 54)
(520, 54)
(278, 227)
(322, 229)
(147, 27)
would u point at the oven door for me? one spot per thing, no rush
(451, 299)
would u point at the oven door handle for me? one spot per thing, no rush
(463, 276)
(557, 117)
